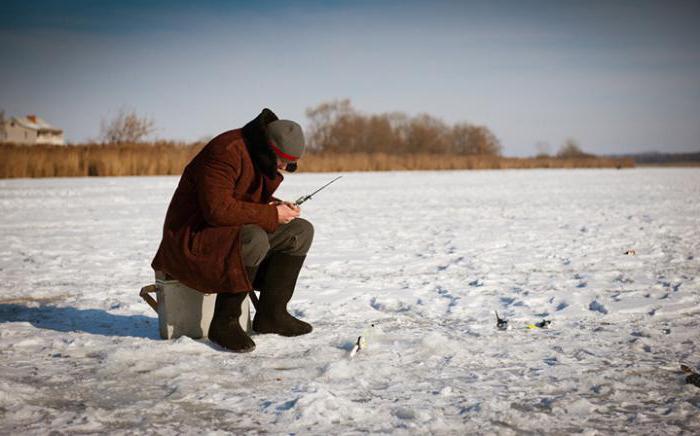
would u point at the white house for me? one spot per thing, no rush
(30, 130)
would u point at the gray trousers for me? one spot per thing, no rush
(293, 238)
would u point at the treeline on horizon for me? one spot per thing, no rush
(336, 127)
(658, 158)
(339, 139)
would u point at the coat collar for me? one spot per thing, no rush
(255, 139)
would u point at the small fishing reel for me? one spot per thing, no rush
(501, 324)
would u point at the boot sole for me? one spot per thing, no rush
(232, 350)
(269, 332)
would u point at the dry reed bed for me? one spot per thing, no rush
(388, 162)
(95, 160)
(170, 159)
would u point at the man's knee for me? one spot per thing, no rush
(302, 235)
(255, 244)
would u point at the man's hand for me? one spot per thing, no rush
(287, 211)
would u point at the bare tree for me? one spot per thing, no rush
(467, 138)
(337, 127)
(324, 119)
(126, 127)
(379, 135)
(426, 134)
(571, 150)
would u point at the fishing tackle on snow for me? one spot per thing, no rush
(361, 342)
(545, 323)
(501, 324)
(693, 377)
(359, 345)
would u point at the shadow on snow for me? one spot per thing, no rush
(70, 319)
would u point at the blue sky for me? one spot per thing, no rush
(616, 76)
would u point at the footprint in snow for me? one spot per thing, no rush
(509, 301)
(595, 306)
(389, 305)
(551, 361)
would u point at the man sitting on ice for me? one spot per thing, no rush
(225, 233)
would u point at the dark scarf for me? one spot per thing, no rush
(255, 139)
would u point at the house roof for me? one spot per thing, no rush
(35, 123)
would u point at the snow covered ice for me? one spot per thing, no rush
(427, 257)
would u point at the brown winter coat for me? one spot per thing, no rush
(228, 184)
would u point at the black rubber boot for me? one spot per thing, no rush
(276, 288)
(225, 329)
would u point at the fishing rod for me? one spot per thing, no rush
(304, 198)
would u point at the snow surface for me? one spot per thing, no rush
(424, 256)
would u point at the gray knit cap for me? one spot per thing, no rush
(286, 139)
